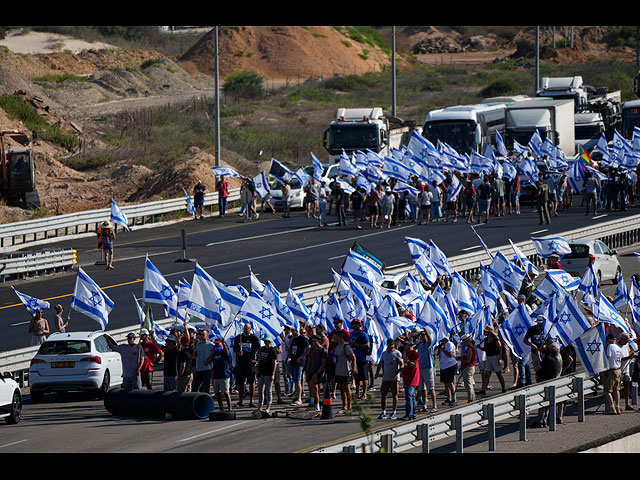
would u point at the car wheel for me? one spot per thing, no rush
(104, 388)
(599, 276)
(16, 409)
(616, 279)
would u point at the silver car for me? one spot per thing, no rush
(74, 361)
(587, 252)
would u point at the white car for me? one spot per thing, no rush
(74, 361)
(10, 399)
(587, 252)
(296, 194)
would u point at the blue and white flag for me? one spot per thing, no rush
(426, 268)
(620, 297)
(634, 302)
(524, 261)
(484, 245)
(273, 297)
(118, 216)
(517, 148)
(262, 317)
(529, 168)
(297, 307)
(204, 299)
(363, 271)
(508, 170)
(480, 163)
(378, 332)
(156, 289)
(589, 287)
(256, 285)
(480, 320)
(343, 286)
(454, 188)
(33, 304)
(190, 208)
(360, 297)
(535, 144)
(332, 308)
(464, 295)
(603, 148)
(417, 247)
(432, 315)
(262, 186)
(546, 246)
(318, 169)
(350, 311)
(490, 289)
(439, 259)
(395, 169)
(576, 176)
(564, 279)
(592, 349)
(225, 171)
(570, 321)
(278, 171)
(89, 299)
(546, 288)
(608, 313)
(506, 271)
(502, 150)
(346, 166)
(513, 329)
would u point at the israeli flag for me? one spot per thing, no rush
(480, 163)
(184, 291)
(350, 311)
(603, 147)
(576, 176)
(490, 289)
(454, 188)
(484, 245)
(508, 170)
(620, 297)
(225, 171)
(297, 307)
(608, 313)
(361, 181)
(378, 332)
(156, 289)
(361, 298)
(89, 299)
(318, 169)
(426, 268)
(546, 288)
(273, 297)
(118, 216)
(517, 148)
(190, 207)
(507, 272)
(546, 246)
(535, 144)
(592, 349)
(256, 285)
(439, 259)
(464, 295)
(361, 160)
(262, 186)
(570, 322)
(32, 303)
(416, 247)
(402, 187)
(261, 316)
(395, 169)
(480, 320)
(433, 316)
(278, 171)
(502, 150)
(205, 302)
(332, 308)
(634, 302)
(513, 329)
(564, 279)
(524, 261)
(589, 287)
(363, 271)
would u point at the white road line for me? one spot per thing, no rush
(18, 324)
(398, 265)
(334, 258)
(600, 216)
(13, 443)
(212, 431)
(471, 248)
(262, 236)
(308, 285)
(539, 231)
(247, 276)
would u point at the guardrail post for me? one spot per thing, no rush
(387, 443)
(521, 404)
(550, 395)
(349, 449)
(456, 423)
(488, 411)
(422, 433)
(578, 387)
(634, 393)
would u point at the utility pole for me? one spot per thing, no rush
(217, 100)
(537, 86)
(393, 71)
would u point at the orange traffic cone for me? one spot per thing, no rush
(327, 403)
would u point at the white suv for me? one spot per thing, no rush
(74, 361)
(10, 399)
(587, 252)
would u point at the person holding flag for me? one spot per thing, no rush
(132, 360)
(38, 328)
(108, 237)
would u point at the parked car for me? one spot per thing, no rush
(587, 252)
(78, 361)
(10, 399)
(296, 194)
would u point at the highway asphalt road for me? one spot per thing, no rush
(77, 424)
(280, 250)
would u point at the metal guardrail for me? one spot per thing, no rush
(422, 432)
(25, 264)
(29, 231)
(615, 233)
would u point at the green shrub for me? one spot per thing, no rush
(246, 83)
(502, 86)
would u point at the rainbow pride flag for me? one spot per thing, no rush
(586, 159)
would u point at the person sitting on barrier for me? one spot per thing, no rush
(132, 358)
(550, 368)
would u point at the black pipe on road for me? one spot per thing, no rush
(158, 404)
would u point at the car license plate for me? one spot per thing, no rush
(62, 364)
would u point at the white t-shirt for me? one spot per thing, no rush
(426, 197)
(614, 355)
(446, 361)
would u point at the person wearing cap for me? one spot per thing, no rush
(245, 346)
(492, 346)
(201, 351)
(316, 369)
(410, 378)
(344, 367)
(361, 344)
(426, 361)
(267, 359)
(534, 338)
(198, 199)
(220, 360)
(391, 364)
(448, 368)
(132, 358)
(152, 356)
(625, 373)
(296, 361)
(108, 235)
(468, 362)
(611, 377)
(170, 354)
(553, 262)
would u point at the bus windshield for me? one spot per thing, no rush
(630, 119)
(458, 134)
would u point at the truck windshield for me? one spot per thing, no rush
(589, 131)
(630, 119)
(353, 137)
(458, 134)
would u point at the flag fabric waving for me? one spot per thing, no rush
(118, 216)
(89, 299)
(225, 171)
(33, 304)
(156, 289)
(608, 313)
(507, 272)
(592, 349)
(546, 246)
(190, 208)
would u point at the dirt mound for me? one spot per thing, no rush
(285, 53)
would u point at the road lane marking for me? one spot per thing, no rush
(471, 248)
(600, 216)
(212, 431)
(396, 266)
(308, 285)
(334, 258)
(539, 231)
(13, 443)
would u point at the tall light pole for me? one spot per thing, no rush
(217, 99)
(535, 90)
(393, 71)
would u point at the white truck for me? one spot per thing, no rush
(565, 88)
(589, 127)
(554, 119)
(361, 129)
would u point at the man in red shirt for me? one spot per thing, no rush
(554, 261)
(468, 366)
(222, 186)
(410, 379)
(152, 356)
